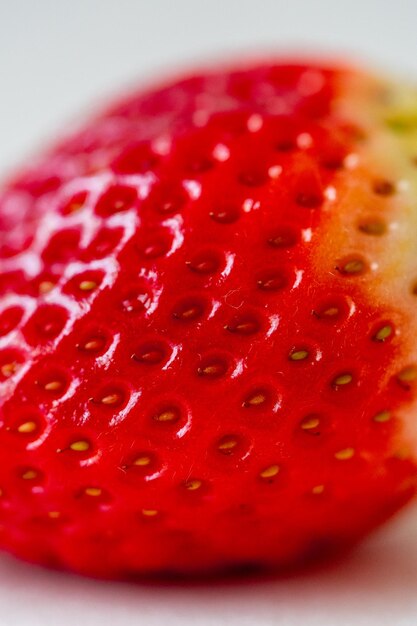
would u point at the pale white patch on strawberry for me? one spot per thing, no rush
(193, 188)
(230, 260)
(162, 145)
(105, 360)
(304, 141)
(122, 414)
(273, 324)
(254, 123)
(70, 391)
(176, 349)
(381, 187)
(221, 152)
(351, 161)
(307, 234)
(330, 193)
(175, 226)
(200, 118)
(298, 278)
(310, 82)
(275, 171)
(249, 205)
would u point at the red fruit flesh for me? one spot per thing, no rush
(198, 367)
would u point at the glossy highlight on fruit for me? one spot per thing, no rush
(207, 325)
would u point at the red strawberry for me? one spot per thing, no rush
(208, 325)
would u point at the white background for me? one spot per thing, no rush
(58, 57)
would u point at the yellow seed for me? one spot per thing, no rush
(408, 374)
(255, 400)
(94, 344)
(298, 355)
(29, 475)
(54, 514)
(80, 446)
(210, 370)
(94, 492)
(343, 379)
(46, 286)
(383, 416)
(142, 461)
(8, 369)
(112, 398)
(27, 427)
(270, 472)
(310, 423)
(245, 327)
(345, 454)
(54, 385)
(88, 285)
(403, 453)
(227, 445)
(1, 493)
(383, 333)
(317, 490)
(330, 312)
(149, 512)
(188, 313)
(193, 485)
(74, 206)
(353, 267)
(166, 416)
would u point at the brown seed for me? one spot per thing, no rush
(352, 267)
(384, 188)
(373, 227)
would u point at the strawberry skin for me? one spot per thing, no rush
(207, 326)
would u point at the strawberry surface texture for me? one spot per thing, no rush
(208, 325)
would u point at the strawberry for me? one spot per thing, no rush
(207, 326)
